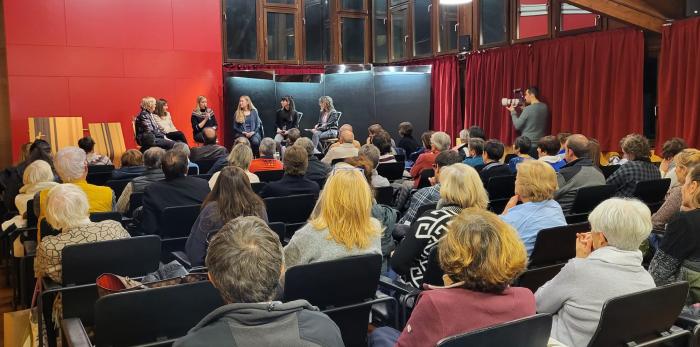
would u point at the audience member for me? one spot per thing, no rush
(407, 142)
(341, 224)
(562, 137)
(253, 316)
(210, 150)
(548, 152)
(476, 132)
(166, 122)
(639, 167)
(668, 152)
(678, 256)
(317, 170)
(673, 201)
(152, 160)
(293, 135)
(373, 130)
(293, 182)
(185, 149)
(578, 172)
(37, 177)
(475, 157)
(23, 153)
(177, 189)
(608, 264)
(11, 179)
(87, 144)
(344, 150)
(463, 147)
(522, 147)
(492, 167)
(460, 188)
(224, 162)
(145, 123)
(342, 128)
(202, 117)
(383, 142)
(535, 184)
(267, 160)
(371, 152)
(425, 146)
(439, 142)
(481, 257)
(230, 198)
(241, 155)
(68, 210)
(594, 152)
(132, 165)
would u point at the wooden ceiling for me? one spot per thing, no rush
(646, 14)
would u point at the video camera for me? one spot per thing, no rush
(517, 100)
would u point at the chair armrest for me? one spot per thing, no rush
(402, 288)
(370, 302)
(74, 334)
(182, 258)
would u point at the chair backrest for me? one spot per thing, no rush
(424, 178)
(100, 168)
(98, 178)
(392, 171)
(501, 187)
(587, 198)
(103, 216)
(608, 170)
(118, 186)
(177, 221)
(205, 164)
(652, 191)
(384, 195)
(257, 186)
(346, 281)
(205, 176)
(279, 229)
(46, 228)
(533, 279)
(192, 170)
(433, 273)
(290, 209)
(135, 201)
(640, 316)
(509, 157)
(32, 218)
(530, 331)
(336, 161)
(270, 176)
(556, 245)
(150, 315)
(400, 157)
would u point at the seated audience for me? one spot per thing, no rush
(267, 161)
(382, 141)
(11, 178)
(460, 188)
(548, 151)
(166, 122)
(372, 154)
(210, 150)
(673, 201)
(424, 148)
(668, 152)
(347, 127)
(68, 210)
(476, 132)
(407, 142)
(241, 155)
(185, 149)
(608, 264)
(293, 182)
(87, 144)
(639, 167)
(492, 167)
(292, 136)
(373, 130)
(317, 170)
(341, 224)
(522, 147)
(177, 189)
(475, 157)
(535, 184)
(345, 150)
(678, 255)
(253, 316)
(145, 123)
(439, 142)
(463, 147)
(578, 172)
(230, 198)
(37, 177)
(481, 257)
(562, 137)
(132, 165)
(152, 159)
(223, 161)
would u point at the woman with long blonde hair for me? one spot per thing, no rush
(202, 117)
(341, 224)
(247, 123)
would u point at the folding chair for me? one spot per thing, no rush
(533, 279)
(135, 201)
(279, 229)
(337, 160)
(424, 178)
(652, 192)
(608, 170)
(586, 199)
(118, 186)
(400, 157)
(257, 187)
(205, 176)
(556, 245)
(530, 331)
(192, 171)
(384, 195)
(99, 174)
(290, 209)
(103, 216)
(270, 176)
(205, 164)
(500, 190)
(175, 226)
(392, 171)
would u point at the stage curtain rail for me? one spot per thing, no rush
(279, 69)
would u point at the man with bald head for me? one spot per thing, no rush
(210, 149)
(578, 172)
(346, 148)
(349, 128)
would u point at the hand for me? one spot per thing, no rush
(248, 135)
(511, 203)
(584, 245)
(432, 181)
(510, 108)
(665, 164)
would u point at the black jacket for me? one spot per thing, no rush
(317, 171)
(409, 144)
(495, 170)
(145, 124)
(180, 191)
(128, 172)
(289, 185)
(198, 117)
(208, 152)
(286, 120)
(331, 122)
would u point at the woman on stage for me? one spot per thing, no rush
(166, 122)
(287, 119)
(247, 122)
(327, 126)
(202, 117)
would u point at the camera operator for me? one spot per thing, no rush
(534, 119)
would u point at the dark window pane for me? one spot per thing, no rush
(353, 40)
(241, 34)
(449, 30)
(533, 18)
(422, 43)
(285, 2)
(492, 21)
(353, 5)
(317, 30)
(381, 53)
(399, 33)
(573, 18)
(280, 36)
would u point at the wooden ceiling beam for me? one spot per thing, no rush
(674, 9)
(635, 12)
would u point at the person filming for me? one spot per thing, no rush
(534, 118)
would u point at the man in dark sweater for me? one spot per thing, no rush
(317, 170)
(534, 120)
(152, 159)
(492, 167)
(210, 149)
(579, 172)
(293, 182)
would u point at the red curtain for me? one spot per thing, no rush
(490, 76)
(679, 83)
(445, 98)
(279, 69)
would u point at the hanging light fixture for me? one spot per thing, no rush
(454, 2)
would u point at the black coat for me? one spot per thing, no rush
(180, 191)
(289, 185)
(286, 120)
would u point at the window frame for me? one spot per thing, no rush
(556, 16)
(476, 39)
(515, 23)
(331, 16)
(387, 23)
(437, 32)
(224, 35)
(408, 38)
(297, 38)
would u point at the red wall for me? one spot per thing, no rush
(98, 58)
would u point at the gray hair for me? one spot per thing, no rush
(305, 143)
(327, 100)
(464, 135)
(440, 140)
(626, 223)
(371, 152)
(36, 172)
(182, 147)
(67, 206)
(153, 157)
(70, 164)
(245, 261)
(267, 147)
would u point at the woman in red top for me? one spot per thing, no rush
(439, 142)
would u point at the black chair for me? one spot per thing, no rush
(345, 294)
(279, 229)
(205, 164)
(103, 216)
(400, 157)
(530, 331)
(556, 245)
(424, 178)
(46, 229)
(118, 186)
(270, 176)
(205, 176)
(175, 226)
(192, 171)
(608, 170)
(392, 171)
(135, 201)
(652, 192)
(587, 198)
(257, 187)
(533, 279)
(98, 178)
(290, 209)
(501, 187)
(642, 319)
(337, 160)
(384, 195)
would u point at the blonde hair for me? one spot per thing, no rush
(346, 212)
(196, 109)
(37, 172)
(148, 103)
(482, 251)
(241, 155)
(460, 184)
(535, 180)
(240, 116)
(686, 159)
(67, 206)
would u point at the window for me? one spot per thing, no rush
(317, 31)
(422, 34)
(241, 30)
(352, 5)
(573, 18)
(280, 2)
(399, 32)
(352, 40)
(280, 39)
(380, 39)
(532, 18)
(448, 28)
(492, 22)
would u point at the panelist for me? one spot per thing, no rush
(146, 124)
(286, 119)
(202, 117)
(327, 126)
(247, 122)
(534, 119)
